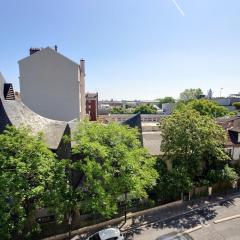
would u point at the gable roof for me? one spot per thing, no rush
(47, 49)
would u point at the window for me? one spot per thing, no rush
(239, 137)
(229, 152)
(95, 237)
(113, 238)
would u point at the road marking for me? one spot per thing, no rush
(227, 218)
(193, 229)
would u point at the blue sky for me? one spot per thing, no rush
(134, 49)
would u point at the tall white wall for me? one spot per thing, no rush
(2, 81)
(236, 153)
(49, 85)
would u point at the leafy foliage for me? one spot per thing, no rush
(165, 100)
(192, 93)
(118, 110)
(208, 108)
(237, 105)
(171, 184)
(145, 109)
(31, 178)
(227, 174)
(114, 163)
(192, 141)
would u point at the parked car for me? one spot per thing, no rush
(107, 234)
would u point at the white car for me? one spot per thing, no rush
(107, 234)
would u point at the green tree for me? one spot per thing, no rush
(192, 93)
(118, 110)
(208, 108)
(165, 100)
(191, 141)
(30, 178)
(236, 105)
(145, 109)
(171, 184)
(226, 174)
(113, 163)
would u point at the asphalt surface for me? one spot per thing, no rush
(202, 217)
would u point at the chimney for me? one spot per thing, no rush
(33, 50)
(56, 48)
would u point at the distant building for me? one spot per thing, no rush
(92, 106)
(50, 84)
(210, 94)
(227, 102)
(167, 108)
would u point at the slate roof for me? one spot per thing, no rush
(152, 142)
(20, 115)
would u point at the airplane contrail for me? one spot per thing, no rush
(179, 8)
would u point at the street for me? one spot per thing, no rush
(202, 218)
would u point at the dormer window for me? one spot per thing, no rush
(234, 134)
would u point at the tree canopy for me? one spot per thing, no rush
(145, 109)
(171, 184)
(114, 163)
(191, 93)
(31, 178)
(237, 105)
(226, 174)
(165, 100)
(118, 110)
(208, 108)
(191, 140)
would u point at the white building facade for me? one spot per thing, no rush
(50, 84)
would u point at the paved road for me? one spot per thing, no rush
(229, 230)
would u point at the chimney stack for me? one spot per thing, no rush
(56, 48)
(33, 50)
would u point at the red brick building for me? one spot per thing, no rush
(92, 106)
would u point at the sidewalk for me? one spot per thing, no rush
(158, 214)
(167, 212)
